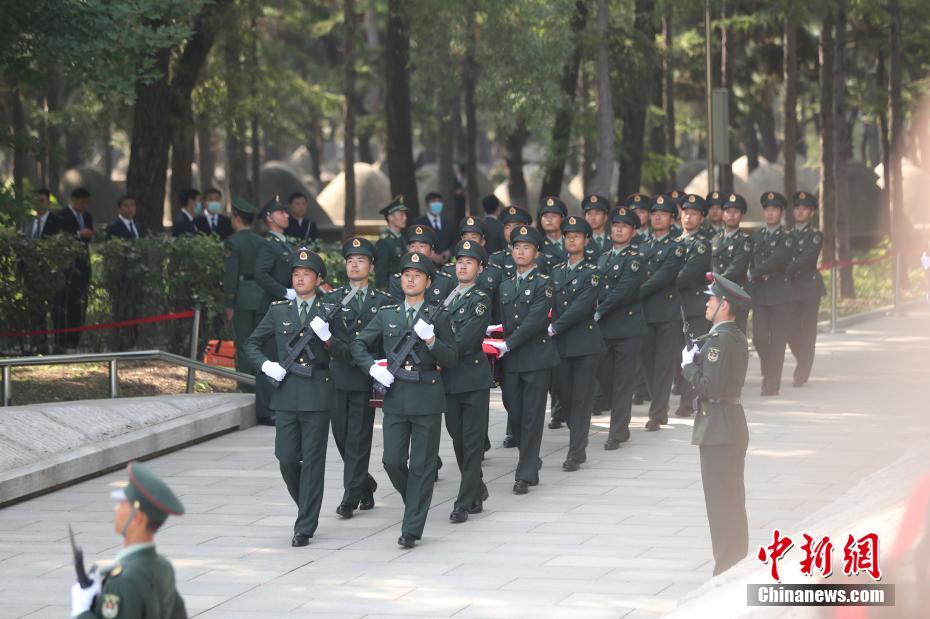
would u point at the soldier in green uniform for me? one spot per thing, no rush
(415, 398)
(679, 197)
(390, 245)
(771, 291)
(527, 353)
(713, 223)
(141, 582)
(468, 384)
(513, 217)
(489, 278)
(639, 203)
(552, 212)
(692, 282)
(732, 250)
(717, 371)
(577, 337)
(273, 261)
(422, 240)
(622, 322)
(806, 285)
(305, 396)
(595, 210)
(352, 417)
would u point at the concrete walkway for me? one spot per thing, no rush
(625, 536)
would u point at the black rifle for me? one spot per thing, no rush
(404, 348)
(82, 578)
(301, 342)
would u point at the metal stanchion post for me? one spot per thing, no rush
(195, 335)
(114, 379)
(7, 385)
(833, 294)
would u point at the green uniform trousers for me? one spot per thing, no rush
(300, 447)
(467, 424)
(353, 422)
(524, 395)
(414, 438)
(722, 468)
(574, 380)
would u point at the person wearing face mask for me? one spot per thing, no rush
(444, 228)
(212, 220)
(191, 208)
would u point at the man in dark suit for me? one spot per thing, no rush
(71, 300)
(125, 226)
(191, 208)
(445, 229)
(46, 223)
(212, 220)
(495, 240)
(126, 298)
(300, 226)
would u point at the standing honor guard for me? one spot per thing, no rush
(489, 278)
(595, 210)
(390, 245)
(417, 339)
(732, 249)
(421, 239)
(806, 286)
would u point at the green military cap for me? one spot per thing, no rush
(715, 198)
(397, 204)
(664, 202)
(471, 249)
(595, 201)
(692, 200)
(734, 200)
(243, 206)
(358, 246)
(723, 288)
(418, 261)
(307, 258)
(420, 233)
(526, 234)
(576, 224)
(804, 198)
(150, 495)
(272, 206)
(773, 198)
(624, 215)
(553, 204)
(677, 195)
(472, 224)
(637, 200)
(516, 215)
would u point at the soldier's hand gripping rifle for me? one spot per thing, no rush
(404, 349)
(82, 577)
(301, 342)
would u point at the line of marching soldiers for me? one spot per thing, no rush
(575, 310)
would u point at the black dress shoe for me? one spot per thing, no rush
(638, 398)
(458, 515)
(683, 412)
(476, 508)
(520, 487)
(368, 501)
(611, 445)
(652, 425)
(509, 442)
(768, 392)
(265, 421)
(345, 510)
(406, 541)
(300, 539)
(555, 424)
(570, 466)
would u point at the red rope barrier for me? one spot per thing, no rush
(109, 325)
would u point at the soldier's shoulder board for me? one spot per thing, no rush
(281, 302)
(393, 306)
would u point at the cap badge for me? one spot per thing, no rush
(621, 211)
(512, 211)
(660, 200)
(418, 230)
(415, 258)
(466, 245)
(691, 199)
(637, 198)
(593, 199)
(572, 220)
(356, 243)
(303, 255)
(732, 197)
(470, 221)
(802, 195)
(771, 195)
(523, 230)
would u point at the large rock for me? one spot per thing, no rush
(104, 192)
(576, 185)
(916, 184)
(277, 178)
(698, 185)
(534, 177)
(372, 193)
(688, 170)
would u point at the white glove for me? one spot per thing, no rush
(381, 375)
(688, 354)
(492, 328)
(273, 369)
(500, 346)
(597, 316)
(550, 331)
(321, 328)
(424, 330)
(925, 261)
(83, 599)
(291, 294)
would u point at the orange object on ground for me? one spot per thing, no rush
(221, 353)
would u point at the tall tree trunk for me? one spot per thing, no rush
(604, 170)
(790, 62)
(397, 106)
(516, 182)
(669, 91)
(255, 130)
(107, 149)
(20, 140)
(827, 140)
(562, 128)
(53, 99)
(765, 120)
(881, 82)
(236, 165)
(207, 159)
(372, 99)
(726, 79)
(588, 142)
(843, 153)
(472, 199)
(750, 142)
(348, 156)
(634, 113)
(896, 135)
(445, 146)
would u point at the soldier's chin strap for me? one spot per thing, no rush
(713, 316)
(132, 515)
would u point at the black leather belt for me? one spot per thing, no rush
(413, 367)
(723, 401)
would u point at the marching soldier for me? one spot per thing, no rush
(732, 250)
(527, 353)
(639, 204)
(141, 582)
(489, 278)
(692, 281)
(577, 337)
(352, 417)
(679, 197)
(304, 397)
(422, 239)
(595, 210)
(415, 399)
(513, 217)
(717, 373)
(390, 245)
(468, 384)
(659, 295)
(771, 291)
(713, 223)
(551, 214)
(622, 322)
(806, 285)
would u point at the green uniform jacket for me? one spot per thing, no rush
(439, 288)
(641, 240)
(552, 254)
(718, 378)
(273, 270)
(732, 255)
(593, 250)
(576, 292)
(470, 315)
(239, 287)
(296, 393)
(389, 250)
(768, 278)
(503, 259)
(620, 313)
(658, 293)
(387, 328)
(488, 280)
(806, 281)
(346, 327)
(692, 278)
(141, 585)
(524, 312)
